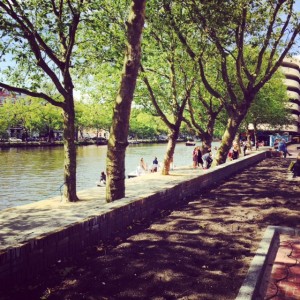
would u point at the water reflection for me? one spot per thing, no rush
(33, 174)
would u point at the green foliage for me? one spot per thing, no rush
(103, 33)
(144, 125)
(215, 35)
(47, 39)
(271, 105)
(92, 115)
(166, 66)
(34, 115)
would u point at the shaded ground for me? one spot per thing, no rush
(200, 250)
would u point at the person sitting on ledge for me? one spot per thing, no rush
(296, 167)
(103, 178)
(142, 169)
(207, 159)
(154, 165)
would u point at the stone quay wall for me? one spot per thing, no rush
(21, 262)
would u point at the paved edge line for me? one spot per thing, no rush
(256, 281)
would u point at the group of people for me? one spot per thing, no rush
(204, 160)
(143, 167)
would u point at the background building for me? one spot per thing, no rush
(291, 70)
(4, 94)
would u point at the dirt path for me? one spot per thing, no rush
(200, 250)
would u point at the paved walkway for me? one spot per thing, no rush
(285, 277)
(284, 283)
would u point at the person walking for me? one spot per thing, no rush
(282, 147)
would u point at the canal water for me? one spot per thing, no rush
(32, 174)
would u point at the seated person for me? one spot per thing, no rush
(207, 160)
(103, 178)
(154, 165)
(235, 151)
(143, 165)
(296, 167)
(142, 168)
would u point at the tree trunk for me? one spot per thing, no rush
(115, 168)
(207, 135)
(206, 141)
(115, 161)
(168, 160)
(227, 139)
(255, 136)
(69, 193)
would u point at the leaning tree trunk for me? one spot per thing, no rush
(170, 152)
(227, 139)
(69, 193)
(117, 143)
(206, 141)
(207, 136)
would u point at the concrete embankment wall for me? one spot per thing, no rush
(23, 261)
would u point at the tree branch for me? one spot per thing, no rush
(154, 101)
(33, 94)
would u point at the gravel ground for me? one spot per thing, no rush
(201, 249)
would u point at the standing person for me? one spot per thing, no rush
(296, 167)
(195, 157)
(199, 157)
(154, 165)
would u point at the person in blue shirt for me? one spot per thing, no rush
(283, 148)
(154, 165)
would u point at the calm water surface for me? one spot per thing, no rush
(33, 174)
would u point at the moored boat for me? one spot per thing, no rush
(190, 143)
